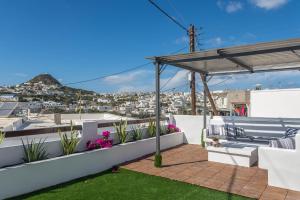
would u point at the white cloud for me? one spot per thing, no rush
(136, 81)
(269, 4)
(231, 6)
(268, 80)
(176, 80)
(126, 78)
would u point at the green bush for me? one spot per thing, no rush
(136, 133)
(151, 128)
(121, 131)
(34, 151)
(69, 144)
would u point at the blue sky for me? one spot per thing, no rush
(81, 39)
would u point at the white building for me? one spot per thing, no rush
(9, 97)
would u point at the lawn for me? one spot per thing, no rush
(128, 185)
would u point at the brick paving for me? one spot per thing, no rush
(188, 163)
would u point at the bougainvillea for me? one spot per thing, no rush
(172, 128)
(103, 142)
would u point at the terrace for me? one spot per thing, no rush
(239, 165)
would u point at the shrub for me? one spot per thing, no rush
(136, 133)
(2, 136)
(103, 142)
(121, 131)
(151, 128)
(34, 151)
(69, 144)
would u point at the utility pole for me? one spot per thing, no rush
(192, 81)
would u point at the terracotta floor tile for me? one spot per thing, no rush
(292, 195)
(189, 163)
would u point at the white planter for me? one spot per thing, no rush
(30, 177)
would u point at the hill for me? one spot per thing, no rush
(49, 80)
(46, 79)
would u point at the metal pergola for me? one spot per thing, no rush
(261, 57)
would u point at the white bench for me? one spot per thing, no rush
(282, 165)
(234, 154)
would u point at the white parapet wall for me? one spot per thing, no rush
(14, 148)
(282, 165)
(25, 178)
(192, 126)
(275, 103)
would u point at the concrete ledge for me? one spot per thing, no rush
(245, 156)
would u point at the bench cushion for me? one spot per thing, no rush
(284, 143)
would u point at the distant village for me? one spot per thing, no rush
(49, 97)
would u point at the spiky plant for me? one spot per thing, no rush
(34, 151)
(121, 131)
(69, 144)
(151, 128)
(2, 136)
(136, 133)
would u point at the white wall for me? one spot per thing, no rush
(46, 173)
(275, 103)
(192, 126)
(90, 131)
(282, 165)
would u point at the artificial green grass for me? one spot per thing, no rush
(128, 185)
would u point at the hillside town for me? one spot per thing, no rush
(47, 96)
(44, 95)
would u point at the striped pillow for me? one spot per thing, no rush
(229, 130)
(239, 132)
(284, 143)
(291, 132)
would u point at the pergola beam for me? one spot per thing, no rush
(235, 60)
(254, 71)
(231, 55)
(182, 66)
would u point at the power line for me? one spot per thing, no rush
(166, 14)
(176, 11)
(105, 76)
(171, 78)
(117, 73)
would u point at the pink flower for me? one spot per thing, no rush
(106, 134)
(172, 128)
(103, 142)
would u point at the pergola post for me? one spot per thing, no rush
(158, 158)
(205, 101)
